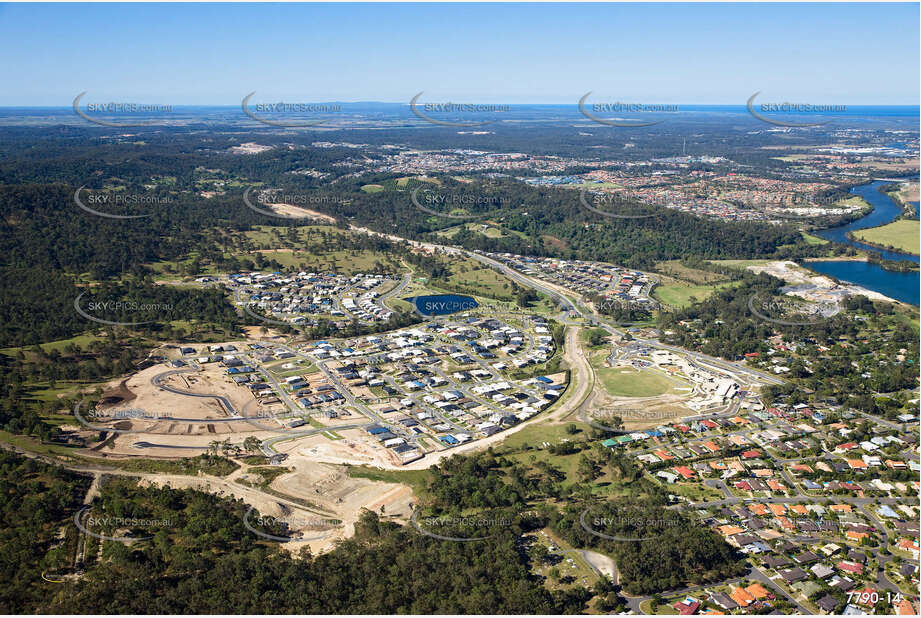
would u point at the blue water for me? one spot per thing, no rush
(400, 111)
(900, 286)
(884, 211)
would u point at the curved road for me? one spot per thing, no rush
(156, 381)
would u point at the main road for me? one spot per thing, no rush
(575, 307)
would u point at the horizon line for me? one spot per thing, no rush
(407, 104)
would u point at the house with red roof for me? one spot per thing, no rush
(688, 607)
(850, 567)
(904, 608)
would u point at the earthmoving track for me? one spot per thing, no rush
(157, 381)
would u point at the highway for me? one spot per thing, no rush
(581, 311)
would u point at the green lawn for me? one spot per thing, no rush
(34, 445)
(622, 382)
(662, 610)
(536, 433)
(474, 278)
(674, 268)
(679, 294)
(81, 341)
(902, 235)
(814, 240)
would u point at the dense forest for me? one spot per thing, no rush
(670, 549)
(37, 504)
(663, 550)
(865, 350)
(201, 559)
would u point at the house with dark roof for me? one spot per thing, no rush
(827, 603)
(806, 557)
(793, 575)
(773, 561)
(723, 600)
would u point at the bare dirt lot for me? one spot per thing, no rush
(159, 402)
(331, 490)
(290, 210)
(355, 448)
(641, 413)
(116, 395)
(330, 487)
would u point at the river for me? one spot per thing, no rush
(900, 286)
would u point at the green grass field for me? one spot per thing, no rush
(623, 382)
(402, 182)
(478, 279)
(81, 341)
(679, 294)
(814, 240)
(535, 434)
(902, 235)
(490, 231)
(291, 251)
(674, 268)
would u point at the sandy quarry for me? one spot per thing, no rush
(316, 485)
(329, 495)
(822, 286)
(330, 488)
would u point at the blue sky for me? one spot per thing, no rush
(200, 54)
